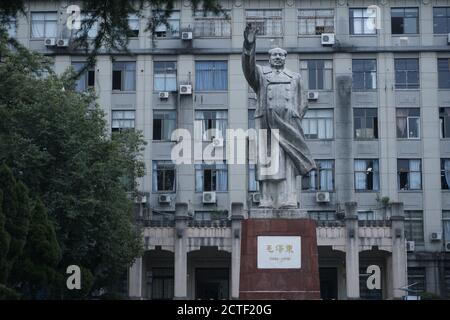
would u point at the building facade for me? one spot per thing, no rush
(378, 126)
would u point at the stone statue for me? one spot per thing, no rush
(282, 104)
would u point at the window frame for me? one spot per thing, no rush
(365, 74)
(444, 184)
(444, 121)
(119, 129)
(364, 121)
(351, 19)
(375, 174)
(86, 75)
(205, 120)
(199, 19)
(202, 167)
(408, 119)
(299, 18)
(317, 173)
(447, 19)
(166, 165)
(406, 85)
(442, 73)
(409, 171)
(263, 19)
(306, 125)
(123, 70)
(326, 73)
(165, 75)
(163, 123)
(170, 21)
(403, 21)
(214, 86)
(45, 23)
(409, 226)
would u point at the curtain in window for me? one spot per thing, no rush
(80, 84)
(204, 75)
(376, 176)
(37, 25)
(129, 79)
(326, 175)
(154, 176)
(222, 177)
(415, 174)
(312, 180)
(50, 25)
(133, 22)
(447, 171)
(402, 114)
(198, 178)
(360, 175)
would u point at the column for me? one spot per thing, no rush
(398, 264)
(351, 251)
(236, 218)
(135, 280)
(180, 283)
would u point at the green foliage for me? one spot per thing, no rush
(55, 140)
(383, 201)
(4, 241)
(8, 293)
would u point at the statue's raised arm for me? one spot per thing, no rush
(248, 57)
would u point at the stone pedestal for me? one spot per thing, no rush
(293, 284)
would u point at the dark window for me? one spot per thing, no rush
(405, 20)
(213, 124)
(365, 123)
(414, 226)
(211, 177)
(86, 80)
(408, 123)
(441, 20)
(323, 180)
(367, 174)
(164, 123)
(133, 24)
(445, 174)
(163, 176)
(406, 73)
(162, 283)
(173, 21)
(409, 174)
(364, 74)
(365, 292)
(444, 73)
(444, 119)
(416, 281)
(315, 22)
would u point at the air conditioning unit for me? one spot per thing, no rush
(144, 199)
(50, 42)
(217, 142)
(328, 39)
(448, 38)
(185, 89)
(436, 236)
(447, 246)
(164, 198)
(256, 197)
(313, 95)
(404, 41)
(209, 197)
(410, 246)
(323, 197)
(186, 35)
(63, 43)
(164, 95)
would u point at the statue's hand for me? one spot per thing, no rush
(250, 33)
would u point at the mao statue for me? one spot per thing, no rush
(281, 106)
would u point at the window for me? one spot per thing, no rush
(165, 76)
(163, 218)
(444, 119)
(86, 80)
(369, 215)
(213, 124)
(162, 283)
(322, 215)
(409, 174)
(124, 76)
(43, 24)
(211, 177)
(416, 280)
(253, 184)
(367, 174)
(211, 25)
(211, 75)
(362, 21)
(251, 119)
(447, 282)
(445, 174)
(446, 224)
(318, 124)
(173, 21)
(364, 74)
(133, 24)
(414, 226)
(123, 119)
(92, 30)
(163, 176)
(164, 123)
(406, 73)
(441, 20)
(269, 22)
(444, 73)
(408, 123)
(319, 74)
(405, 20)
(365, 122)
(315, 22)
(324, 181)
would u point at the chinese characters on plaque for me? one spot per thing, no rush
(279, 252)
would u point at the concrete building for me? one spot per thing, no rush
(378, 127)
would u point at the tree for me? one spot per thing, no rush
(56, 141)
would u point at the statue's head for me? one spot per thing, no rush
(277, 57)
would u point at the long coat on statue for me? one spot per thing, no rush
(281, 105)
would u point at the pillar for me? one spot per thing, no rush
(351, 251)
(237, 214)
(135, 280)
(180, 268)
(399, 258)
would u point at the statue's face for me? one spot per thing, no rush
(277, 59)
